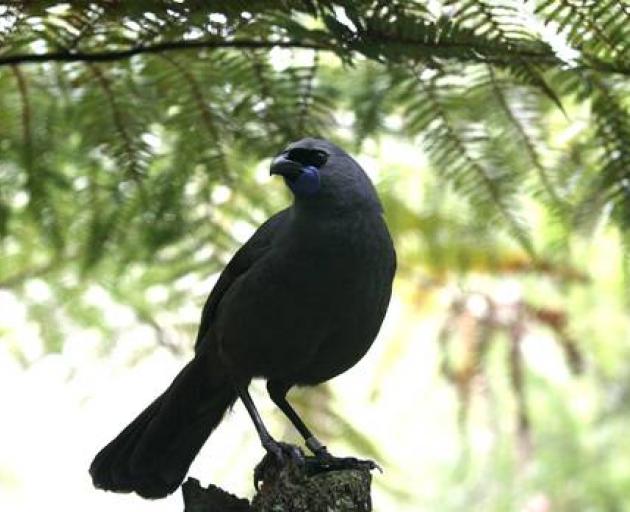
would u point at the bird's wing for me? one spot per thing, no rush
(245, 257)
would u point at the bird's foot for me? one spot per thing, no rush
(278, 456)
(323, 461)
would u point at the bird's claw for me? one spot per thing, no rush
(324, 461)
(278, 456)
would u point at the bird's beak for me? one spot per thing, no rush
(285, 167)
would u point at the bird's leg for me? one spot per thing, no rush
(278, 393)
(279, 451)
(323, 460)
(267, 441)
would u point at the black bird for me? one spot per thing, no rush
(298, 304)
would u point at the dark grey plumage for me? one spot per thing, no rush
(299, 303)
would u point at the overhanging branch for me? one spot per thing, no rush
(479, 52)
(106, 56)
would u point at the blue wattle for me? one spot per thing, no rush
(307, 183)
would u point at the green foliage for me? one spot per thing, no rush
(120, 123)
(134, 139)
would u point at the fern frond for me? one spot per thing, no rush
(40, 202)
(456, 154)
(518, 130)
(129, 159)
(531, 74)
(207, 115)
(501, 21)
(612, 128)
(305, 77)
(596, 28)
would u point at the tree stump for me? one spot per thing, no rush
(289, 489)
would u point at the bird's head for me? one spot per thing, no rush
(301, 165)
(316, 169)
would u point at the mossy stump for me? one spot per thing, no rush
(289, 489)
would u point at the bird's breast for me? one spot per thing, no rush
(336, 265)
(322, 283)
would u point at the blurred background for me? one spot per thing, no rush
(135, 141)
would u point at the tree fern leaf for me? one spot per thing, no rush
(527, 143)
(206, 114)
(456, 154)
(40, 204)
(131, 147)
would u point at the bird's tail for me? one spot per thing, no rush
(151, 456)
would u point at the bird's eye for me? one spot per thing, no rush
(315, 157)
